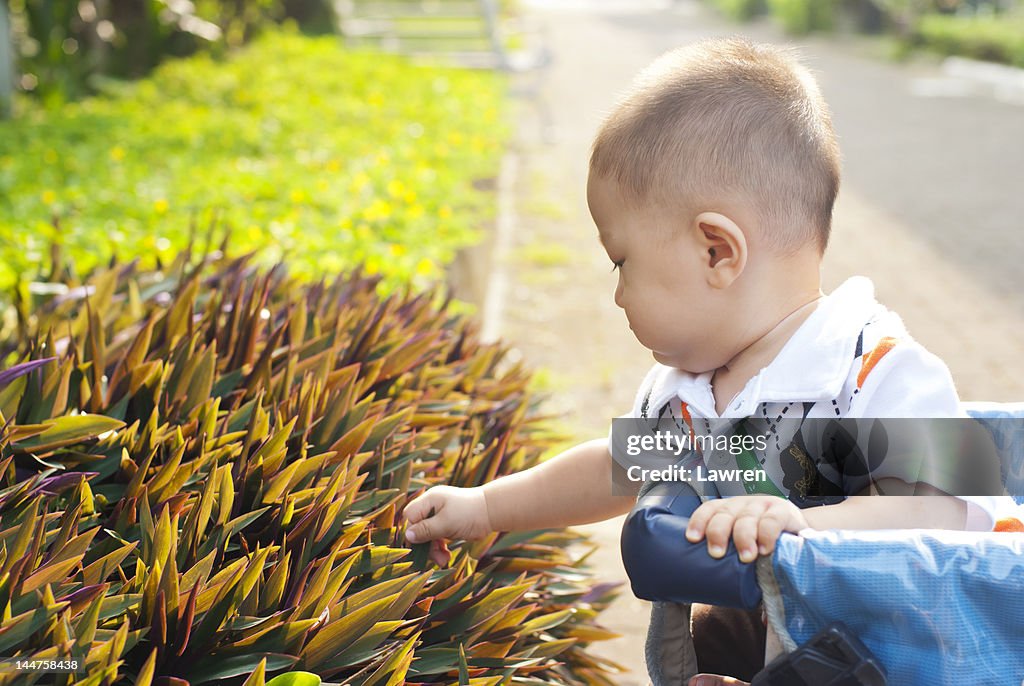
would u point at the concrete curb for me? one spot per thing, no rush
(496, 290)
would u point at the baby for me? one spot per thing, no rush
(712, 184)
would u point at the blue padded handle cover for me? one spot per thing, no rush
(663, 565)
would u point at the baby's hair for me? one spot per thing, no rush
(725, 118)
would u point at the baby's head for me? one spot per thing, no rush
(712, 184)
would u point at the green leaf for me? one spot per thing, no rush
(434, 660)
(17, 630)
(201, 382)
(69, 430)
(393, 670)
(463, 667)
(283, 637)
(495, 602)
(242, 521)
(364, 647)
(216, 667)
(375, 558)
(545, 622)
(338, 635)
(295, 679)
(116, 605)
(10, 396)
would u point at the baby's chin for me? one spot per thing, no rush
(675, 361)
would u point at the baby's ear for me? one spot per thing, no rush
(724, 246)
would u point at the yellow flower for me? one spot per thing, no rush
(298, 196)
(395, 188)
(359, 181)
(424, 267)
(410, 196)
(397, 250)
(378, 209)
(415, 212)
(444, 212)
(117, 153)
(333, 166)
(160, 206)
(49, 197)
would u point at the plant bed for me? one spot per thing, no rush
(201, 478)
(334, 158)
(997, 38)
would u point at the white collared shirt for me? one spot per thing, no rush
(850, 358)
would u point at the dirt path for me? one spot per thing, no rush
(555, 282)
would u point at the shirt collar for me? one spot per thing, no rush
(816, 361)
(813, 365)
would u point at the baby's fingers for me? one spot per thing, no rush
(769, 529)
(424, 517)
(421, 507)
(718, 531)
(439, 553)
(745, 534)
(426, 529)
(699, 521)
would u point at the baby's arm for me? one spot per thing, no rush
(574, 487)
(756, 522)
(900, 508)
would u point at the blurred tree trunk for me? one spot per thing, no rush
(6, 64)
(98, 49)
(140, 49)
(314, 16)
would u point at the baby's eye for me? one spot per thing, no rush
(617, 265)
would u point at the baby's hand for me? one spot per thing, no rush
(446, 512)
(755, 522)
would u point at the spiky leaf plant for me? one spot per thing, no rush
(201, 476)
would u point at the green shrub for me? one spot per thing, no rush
(739, 10)
(335, 158)
(994, 38)
(63, 46)
(201, 474)
(799, 17)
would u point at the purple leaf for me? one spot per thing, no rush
(599, 590)
(59, 482)
(12, 373)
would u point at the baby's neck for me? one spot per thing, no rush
(730, 378)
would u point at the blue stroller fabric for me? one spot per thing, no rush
(935, 607)
(1003, 421)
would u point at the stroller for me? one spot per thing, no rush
(899, 607)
